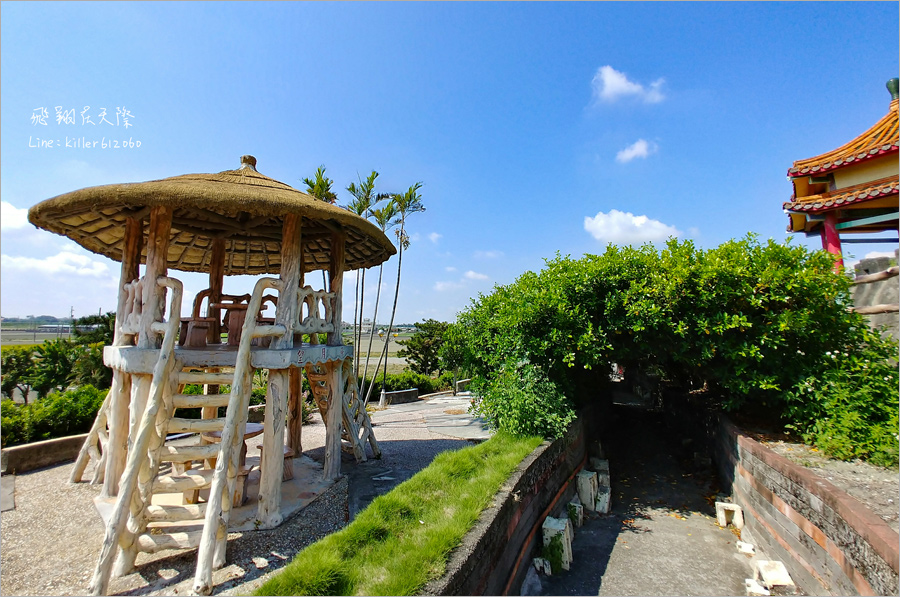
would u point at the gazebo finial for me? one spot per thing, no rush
(248, 161)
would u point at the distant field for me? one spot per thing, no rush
(10, 337)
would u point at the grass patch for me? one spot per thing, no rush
(403, 539)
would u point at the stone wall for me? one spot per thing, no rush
(883, 292)
(830, 543)
(496, 553)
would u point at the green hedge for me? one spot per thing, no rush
(751, 323)
(57, 415)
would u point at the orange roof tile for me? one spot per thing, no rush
(882, 138)
(874, 189)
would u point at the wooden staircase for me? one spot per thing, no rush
(356, 427)
(157, 466)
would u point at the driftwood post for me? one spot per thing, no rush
(272, 464)
(121, 386)
(335, 370)
(216, 280)
(295, 411)
(152, 299)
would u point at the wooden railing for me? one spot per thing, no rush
(315, 313)
(138, 471)
(211, 553)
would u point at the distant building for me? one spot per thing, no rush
(850, 190)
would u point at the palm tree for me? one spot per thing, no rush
(320, 188)
(364, 199)
(386, 218)
(406, 204)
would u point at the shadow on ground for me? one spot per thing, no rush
(660, 537)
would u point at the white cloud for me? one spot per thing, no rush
(12, 217)
(609, 85)
(626, 228)
(488, 254)
(434, 236)
(694, 231)
(450, 268)
(414, 237)
(874, 254)
(475, 275)
(444, 286)
(61, 263)
(638, 149)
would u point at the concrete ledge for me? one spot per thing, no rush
(28, 457)
(401, 396)
(830, 542)
(494, 555)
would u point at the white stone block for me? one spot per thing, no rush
(586, 487)
(603, 479)
(604, 500)
(561, 527)
(729, 513)
(542, 565)
(575, 510)
(746, 548)
(773, 575)
(754, 589)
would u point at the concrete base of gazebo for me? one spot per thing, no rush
(296, 494)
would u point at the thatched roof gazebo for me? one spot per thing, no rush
(234, 222)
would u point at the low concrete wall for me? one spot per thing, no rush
(495, 553)
(830, 543)
(401, 396)
(27, 457)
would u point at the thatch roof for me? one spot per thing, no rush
(241, 206)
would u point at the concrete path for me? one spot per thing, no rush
(7, 493)
(661, 536)
(410, 436)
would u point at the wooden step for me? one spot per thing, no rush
(179, 425)
(176, 513)
(151, 543)
(186, 453)
(202, 377)
(200, 400)
(192, 479)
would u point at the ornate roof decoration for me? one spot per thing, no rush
(881, 139)
(866, 191)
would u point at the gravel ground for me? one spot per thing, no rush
(50, 543)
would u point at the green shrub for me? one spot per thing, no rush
(522, 401)
(849, 407)
(747, 321)
(57, 415)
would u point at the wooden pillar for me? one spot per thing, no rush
(272, 465)
(295, 411)
(216, 282)
(153, 300)
(337, 285)
(333, 421)
(831, 240)
(117, 419)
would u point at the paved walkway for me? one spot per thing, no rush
(661, 536)
(436, 424)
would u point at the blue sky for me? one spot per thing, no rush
(536, 127)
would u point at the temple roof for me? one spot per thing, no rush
(881, 139)
(866, 191)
